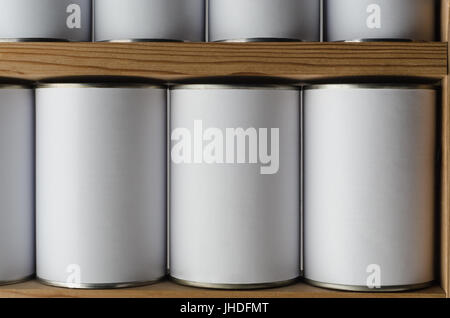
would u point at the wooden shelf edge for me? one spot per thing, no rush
(176, 61)
(167, 289)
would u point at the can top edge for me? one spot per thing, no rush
(100, 85)
(372, 86)
(236, 86)
(377, 40)
(15, 86)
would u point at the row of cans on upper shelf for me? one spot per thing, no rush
(240, 164)
(227, 20)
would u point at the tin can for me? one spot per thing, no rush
(234, 186)
(369, 182)
(264, 20)
(17, 253)
(149, 20)
(101, 184)
(380, 20)
(45, 20)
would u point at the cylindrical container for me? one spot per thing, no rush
(234, 186)
(45, 20)
(264, 20)
(101, 184)
(369, 167)
(149, 20)
(380, 20)
(17, 255)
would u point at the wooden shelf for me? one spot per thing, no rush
(297, 61)
(168, 289)
(175, 61)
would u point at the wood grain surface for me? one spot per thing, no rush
(173, 61)
(168, 289)
(445, 171)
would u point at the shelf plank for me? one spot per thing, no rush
(168, 289)
(175, 61)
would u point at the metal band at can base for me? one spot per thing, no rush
(290, 19)
(365, 289)
(234, 286)
(401, 19)
(377, 40)
(98, 286)
(14, 40)
(17, 281)
(142, 40)
(249, 40)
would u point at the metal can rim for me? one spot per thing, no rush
(17, 281)
(6, 40)
(372, 86)
(259, 39)
(98, 286)
(136, 40)
(251, 286)
(100, 85)
(235, 86)
(383, 289)
(368, 40)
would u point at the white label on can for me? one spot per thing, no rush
(374, 18)
(232, 146)
(74, 19)
(374, 278)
